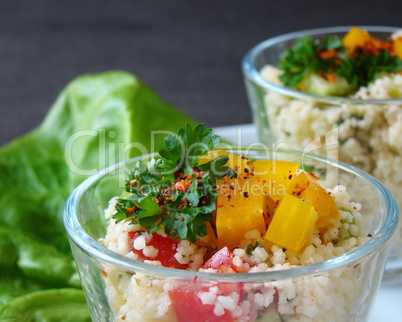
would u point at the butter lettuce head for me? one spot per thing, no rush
(96, 121)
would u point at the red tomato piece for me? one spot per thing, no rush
(166, 247)
(222, 261)
(132, 235)
(188, 307)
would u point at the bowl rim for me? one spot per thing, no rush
(376, 243)
(250, 72)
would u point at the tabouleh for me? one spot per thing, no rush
(213, 211)
(365, 134)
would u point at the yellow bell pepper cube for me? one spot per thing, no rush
(355, 38)
(237, 162)
(275, 177)
(398, 47)
(239, 209)
(304, 186)
(293, 224)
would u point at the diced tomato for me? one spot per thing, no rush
(222, 261)
(188, 306)
(166, 247)
(132, 235)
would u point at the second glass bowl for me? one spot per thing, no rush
(363, 132)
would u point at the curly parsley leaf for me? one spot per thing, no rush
(217, 167)
(182, 150)
(174, 192)
(298, 60)
(294, 61)
(332, 42)
(148, 207)
(121, 213)
(189, 224)
(365, 69)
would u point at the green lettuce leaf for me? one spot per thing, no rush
(96, 121)
(62, 305)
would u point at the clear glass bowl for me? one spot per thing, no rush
(359, 131)
(343, 287)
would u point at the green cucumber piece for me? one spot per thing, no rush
(318, 85)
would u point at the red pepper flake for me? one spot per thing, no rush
(158, 221)
(229, 197)
(182, 185)
(326, 54)
(245, 194)
(220, 205)
(369, 235)
(104, 273)
(290, 177)
(313, 175)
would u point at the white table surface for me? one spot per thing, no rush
(388, 303)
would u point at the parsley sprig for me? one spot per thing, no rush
(365, 69)
(330, 56)
(174, 192)
(302, 57)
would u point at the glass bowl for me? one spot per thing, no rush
(341, 288)
(363, 132)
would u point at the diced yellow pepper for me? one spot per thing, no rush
(212, 154)
(239, 210)
(293, 224)
(398, 47)
(275, 177)
(237, 162)
(355, 38)
(305, 187)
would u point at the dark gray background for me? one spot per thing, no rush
(187, 51)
